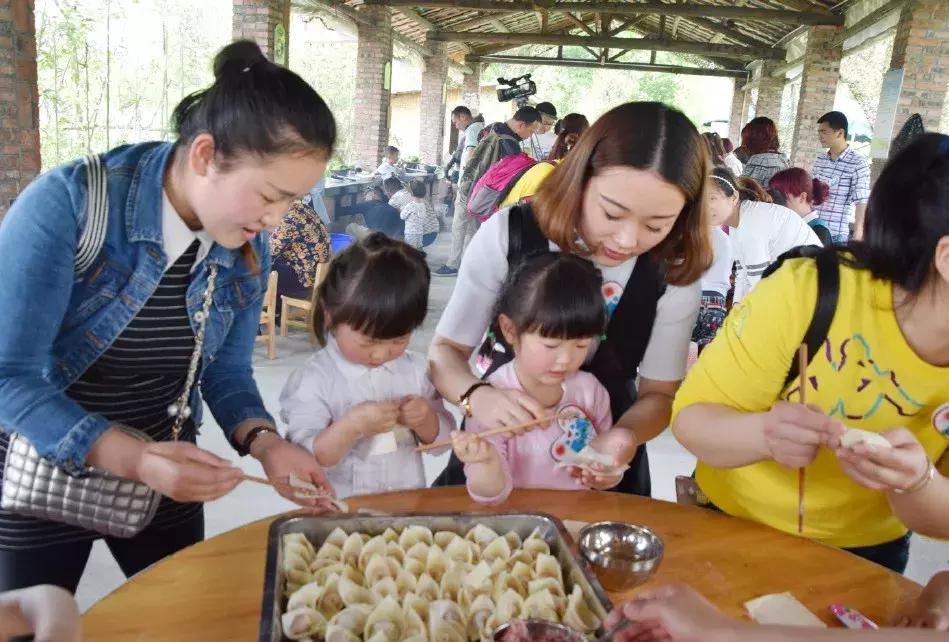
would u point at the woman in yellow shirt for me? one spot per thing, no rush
(571, 128)
(884, 367)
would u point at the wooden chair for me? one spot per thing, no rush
(295, 313)
(268, 317)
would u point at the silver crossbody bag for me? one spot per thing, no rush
(95, 500)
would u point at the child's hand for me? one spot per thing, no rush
(472, 449)
(931, 610)
(886, 469)
(374, 417)
(415, 412)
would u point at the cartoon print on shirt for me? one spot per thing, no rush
(612, 293)
(941, 420)
(578, 431)
(876, 385)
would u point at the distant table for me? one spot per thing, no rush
(343, 192)
(213, 590)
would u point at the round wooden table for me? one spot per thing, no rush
(213, 590)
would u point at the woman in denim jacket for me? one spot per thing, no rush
(89, 351)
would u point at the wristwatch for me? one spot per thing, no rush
(464, 401)
(244, 448)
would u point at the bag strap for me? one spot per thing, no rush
(828, 292)
(92, 236)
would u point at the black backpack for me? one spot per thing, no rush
(828, 293)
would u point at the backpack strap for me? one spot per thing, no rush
(828, 292)
(92, 236)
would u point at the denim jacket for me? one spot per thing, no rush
(54, 325)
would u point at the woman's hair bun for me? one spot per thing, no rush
(237, 57)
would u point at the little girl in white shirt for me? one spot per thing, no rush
(363, 403)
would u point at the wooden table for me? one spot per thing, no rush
(212, 591)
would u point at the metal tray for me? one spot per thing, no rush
(575, 570)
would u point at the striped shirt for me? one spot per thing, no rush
(132, 383)
(849, 180)
(762, 167)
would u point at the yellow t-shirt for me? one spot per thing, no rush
(529, 183)
(866, 376)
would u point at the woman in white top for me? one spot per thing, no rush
(631, 200)
(759, 230)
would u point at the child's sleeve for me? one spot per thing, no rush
(406, 212)
(446, 421)
(501, 443)
(303, 406)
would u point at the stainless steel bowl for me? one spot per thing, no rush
(539, 628)
(622, 555)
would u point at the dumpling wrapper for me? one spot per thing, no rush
(330, 602)
(305, 596)
(499, 549)
(417, 604)
(505, 582)
(302, 489)
(351, 593)
(446, 622)
(413, 566)
(351, 549)
(339, 634)
(459, 550)
(578, 614)
(298, 542)
(437, 563)
(330, 551)
(523, 572)
(509, 606)
(386, 620)
(413, 534)
(385, 587)
(418, 551)
(781, 609)
(548, 566)
(444, 538)
(395, 551)
(591, 460)
(337, 536)
(478, 579)
(855, 436)
(427, 588)
(352, 618)
(481, 535)
(479, 618)
(414, 625)
(379, 568)
(453, 581)
(541, 606)
(405, 583)
(302, 623)
(535, 544)
(375, 546)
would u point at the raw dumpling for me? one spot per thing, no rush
(437, 563)
(427, 588)
(413, 566)
(336, 537)
(417, 604)
(296, 571)
(418, 551)
(339, 634)
(481, 535)
(541, 606)
(504, 582)
(414, 534)
(453, 581)
(322, 575)
(479, 616)
(390, 535)
(305, 596)
(386, 622)
(351, 593)
(522, 572)
(414, 625)
(446, 622)
(444, 538)
(352, 618)
(351, 549)
(385, 587)
(548, 566)
(513, 539)
(459, 550)
(855, 436)
(395, 551)
(509, 606)
(330, 551)
(302, 623)
(553, 586)
(499, 549)
(478, 579)
(375, 546)
(578, 614)
(316, 565)
(405, 583)
(535, 544)
(330, 603)
(523, 556)
(379, 568)
(299, 542)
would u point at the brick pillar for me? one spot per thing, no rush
(373, 82)
(261, 21)
(471, 93)
(770, 90)
(432, 105)
(19, 106)
(921, 50)
(739, 111)
(819, 81)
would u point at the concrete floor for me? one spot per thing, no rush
(250, 502)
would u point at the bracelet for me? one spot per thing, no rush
(244, 448)
(923, 481)
(464, 401)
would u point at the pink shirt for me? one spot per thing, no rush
(529, 460)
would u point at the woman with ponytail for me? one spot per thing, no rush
(138, 276)
(802, 193)
(759, 230)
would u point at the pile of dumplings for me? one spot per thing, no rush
(420, 586)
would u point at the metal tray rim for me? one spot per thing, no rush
(273, 542)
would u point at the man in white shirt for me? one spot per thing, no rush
(539, 145)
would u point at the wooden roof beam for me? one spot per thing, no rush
(628, 9)
(657, 44)
(580, 23)
(595, 64)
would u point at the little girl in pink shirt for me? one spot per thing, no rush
(549, 313)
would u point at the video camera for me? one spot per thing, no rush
(518, 89)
